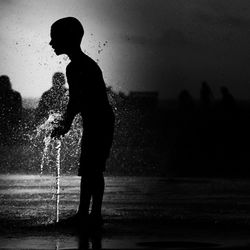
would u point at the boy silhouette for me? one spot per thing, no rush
(87, 96)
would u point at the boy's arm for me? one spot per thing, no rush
(71, 112)
(72, 107)
(67, 119)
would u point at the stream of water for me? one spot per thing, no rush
(51, 154)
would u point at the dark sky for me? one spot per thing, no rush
(181, 43)
(161, 45)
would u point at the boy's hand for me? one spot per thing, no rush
(58, 132)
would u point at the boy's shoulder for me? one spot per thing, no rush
(83, 62)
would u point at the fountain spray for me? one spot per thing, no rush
(51, 152)
(58, 149)
(55, 144)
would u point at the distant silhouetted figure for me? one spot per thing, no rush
(186, 102)
(228, 103)
(54, 99)
(10, 109)
(206, 96)
(87, 96)
(229, 127)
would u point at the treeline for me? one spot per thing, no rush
(205, 137)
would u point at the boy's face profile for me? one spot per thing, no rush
(66, 35)
(57, 42)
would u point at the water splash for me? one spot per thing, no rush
(45, 153)
(55, 144)
(58, 149)
(46, 128)
(52, 155)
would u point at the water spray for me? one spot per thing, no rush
(58, 149)
(55, 143)
(51, 148)
(47, 141)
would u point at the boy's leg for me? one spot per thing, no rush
(85, 196)
(97, 194)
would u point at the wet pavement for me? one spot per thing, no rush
(139, 213)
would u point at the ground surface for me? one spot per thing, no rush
(140, 213)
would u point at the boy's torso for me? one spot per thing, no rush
(87, 88)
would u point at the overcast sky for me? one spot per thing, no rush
(160, 45)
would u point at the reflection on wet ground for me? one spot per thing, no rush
(140, 213)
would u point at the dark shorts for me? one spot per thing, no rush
(95, 148)
(91, 167)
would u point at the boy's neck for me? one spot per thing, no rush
(74, 53)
